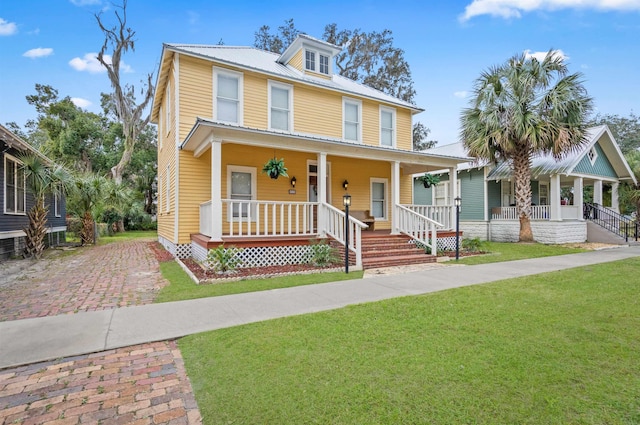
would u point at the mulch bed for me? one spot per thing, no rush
(203, 276)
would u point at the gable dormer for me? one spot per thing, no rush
(310, 56)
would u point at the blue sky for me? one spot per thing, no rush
(447, 43)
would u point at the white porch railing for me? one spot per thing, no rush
(334, 227)
(269, 218)
(417, 226)
(571, 212)
(538, 212)
(440, 213)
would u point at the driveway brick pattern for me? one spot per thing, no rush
(103, 277)
(143, 384)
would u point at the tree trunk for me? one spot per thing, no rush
(86, 234)
(36, 231)
(522, 173)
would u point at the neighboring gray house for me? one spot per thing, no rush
(15, 202)
(558, 208)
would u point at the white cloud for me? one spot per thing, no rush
(461, 94)
(80, 102)
(7, 28)
(541, 55)
(514, 8)
(85, 2)
(38, 52)
(89, 62)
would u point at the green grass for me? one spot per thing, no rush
(128, 236)
(556, 348)
(183, 288)
(505, 251)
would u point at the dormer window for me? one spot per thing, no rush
(321, 65)
(310, 62)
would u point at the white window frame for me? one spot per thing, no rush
(345, 101)
(289, 88)
(167, 126)
(254, 187)
(233, 74)
(385, 182)
(316, 61)
(167, 189)
(392, 111)
(56, 204)
(14, 179)
(546, 196)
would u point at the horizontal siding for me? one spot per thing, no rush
(494, 193)
(422, 195)
(296, 61)
(255, 100)
(195, 188)
(406, 191)
(196, 92)
(317, 111)
(404, 137)
(370, 123)
(472, 194)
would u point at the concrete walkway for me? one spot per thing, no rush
(39, 339)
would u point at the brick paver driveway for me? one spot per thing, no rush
(144, 384)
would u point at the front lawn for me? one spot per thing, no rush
(508, 251)
(183, 288)
(555, 348)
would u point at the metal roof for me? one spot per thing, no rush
(267, 62)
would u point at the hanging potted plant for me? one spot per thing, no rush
(428, 180)
(275, 168)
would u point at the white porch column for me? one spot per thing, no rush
(322, 191)
(395, 195)
(615, 201)
(597, 192)
(216, 190)
(453, 192)
(578, 199)
(554, 192)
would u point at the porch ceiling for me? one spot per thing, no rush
(205, 132)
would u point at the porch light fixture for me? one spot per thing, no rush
(346, 201)
(345, 184)
(293, 182)
(457, 201)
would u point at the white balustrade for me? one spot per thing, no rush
(440, 213)
(420, 228)
(538, 212)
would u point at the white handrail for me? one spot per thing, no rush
(334, 227)
(418, 227)
(440, 213)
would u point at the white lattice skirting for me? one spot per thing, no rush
(177, 250)
(262, 256)
(448, 243)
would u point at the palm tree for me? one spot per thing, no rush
(88, 195)
(523, 108)
(41, 178)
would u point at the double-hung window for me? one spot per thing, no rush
(14, 186)
(241, 187)
(324, 64)
(352, 117)
(379, 198)
(280, 106)
(228, 96)
(310, 60)
(387, 127)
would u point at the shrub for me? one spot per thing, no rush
(323, 254)
(223, 260)
(472, 245)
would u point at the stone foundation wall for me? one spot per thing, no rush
(475, 229)
(548, 232)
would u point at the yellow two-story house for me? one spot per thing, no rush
(223, 112)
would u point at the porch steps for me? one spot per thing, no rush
(391, 250)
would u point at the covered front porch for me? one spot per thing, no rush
(245, 206)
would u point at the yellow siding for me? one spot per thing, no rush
(196, 92)
(318, 75)
(195, 188)
(296, 61)
(406, 189)
(255, 100)
(359, 174)
(370, 123)
(166, 157)
(404, 137)
(317, 111)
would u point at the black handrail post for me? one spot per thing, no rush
(346, 201)
(626, 231)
